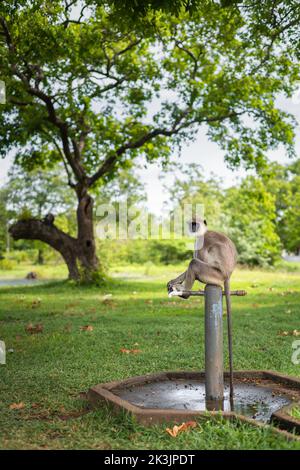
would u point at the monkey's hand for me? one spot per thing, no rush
(171, 286)
(175, 289)
(179, 293)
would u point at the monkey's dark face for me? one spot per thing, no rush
(194, 226)
(197, 227)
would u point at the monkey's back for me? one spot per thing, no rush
(218, 251)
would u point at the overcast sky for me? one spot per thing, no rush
(202, 151)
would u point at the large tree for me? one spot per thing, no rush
(94, 95)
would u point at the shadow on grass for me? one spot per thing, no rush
(109, 284)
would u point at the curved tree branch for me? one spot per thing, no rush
(177, 126)
(47, 232)
(34, 229)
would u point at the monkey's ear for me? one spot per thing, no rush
(205, 223)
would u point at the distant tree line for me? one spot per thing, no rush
(261, 214)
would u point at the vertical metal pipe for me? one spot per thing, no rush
(214, 368)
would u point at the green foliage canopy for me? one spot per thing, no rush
(247, 213)
(283, 183)
(83, 91)
(38, 192)
(251, 222)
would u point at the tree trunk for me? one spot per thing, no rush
(85, 236)
(78, 253)
(70, 257)
(40, 257)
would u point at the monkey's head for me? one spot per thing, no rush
(197, 226)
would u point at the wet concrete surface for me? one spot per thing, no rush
(250, 400)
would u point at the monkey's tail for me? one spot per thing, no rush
(229, 330)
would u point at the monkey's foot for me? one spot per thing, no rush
(184, 296)
(178, 292)
(174, 293)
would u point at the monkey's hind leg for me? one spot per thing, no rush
(203, 272)
(229, 329)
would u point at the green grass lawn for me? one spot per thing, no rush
(48, 371)
(44, 272)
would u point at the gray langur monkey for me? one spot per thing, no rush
(215, 258)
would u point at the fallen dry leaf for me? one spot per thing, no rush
(130, 351)
(109, 302)
(87, 328)
(36, 303)
(35, 405)
(289, 333)
(187, 425)
(183, 427)
(17, 406)
(73, 414)
(68, 328)
(287, 292)
(173, 432)
(33, 329)
(125, 351)
(71, 305)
